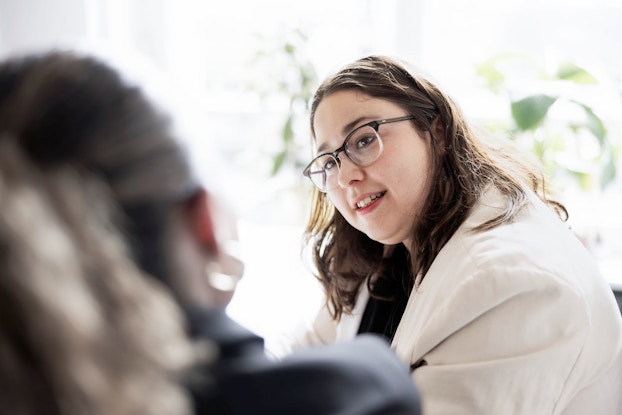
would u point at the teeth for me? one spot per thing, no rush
(367, 201)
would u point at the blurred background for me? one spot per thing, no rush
(545, 73)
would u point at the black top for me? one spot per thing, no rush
(387, 301)
(382, 316)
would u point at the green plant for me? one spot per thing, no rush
(291, 76)
(554, 114)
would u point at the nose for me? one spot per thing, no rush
(349, 172)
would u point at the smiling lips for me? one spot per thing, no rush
(368, 200)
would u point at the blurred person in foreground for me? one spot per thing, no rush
(112, 266)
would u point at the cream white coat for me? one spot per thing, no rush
(514, 320)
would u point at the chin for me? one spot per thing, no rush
(384, 240)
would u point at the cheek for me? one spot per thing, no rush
(410, 174)
(338, 199)
(407, 164)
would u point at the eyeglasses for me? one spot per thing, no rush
(362, 146)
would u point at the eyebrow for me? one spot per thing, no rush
(347, 129)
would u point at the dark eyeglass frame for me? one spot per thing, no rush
(335, 154)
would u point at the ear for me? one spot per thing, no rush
(438, 129)
(200, 217)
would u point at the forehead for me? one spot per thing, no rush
(342, 111)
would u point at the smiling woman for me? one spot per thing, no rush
(448, 244)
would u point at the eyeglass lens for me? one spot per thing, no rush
(363, 147)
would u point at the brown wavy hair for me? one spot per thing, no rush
(463, 165)
(83, 330)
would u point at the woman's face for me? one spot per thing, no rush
(384, 199)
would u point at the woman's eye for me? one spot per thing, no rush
(329, 164)
(365, 141)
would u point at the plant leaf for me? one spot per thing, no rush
(493, 77)
(288, 131)
(608, 173)
(595, 125)
(571, 72)
(289, 48)
(583, 179)
(530, 111)
(278, 162)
